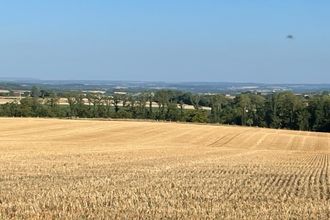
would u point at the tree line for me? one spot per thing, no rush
(283, 110)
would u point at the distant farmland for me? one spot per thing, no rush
(115, 169)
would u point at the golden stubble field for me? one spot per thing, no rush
(77, 169)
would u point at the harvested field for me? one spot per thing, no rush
(76, 169)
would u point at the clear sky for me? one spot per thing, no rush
(172, 40)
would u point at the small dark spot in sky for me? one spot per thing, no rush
(291, 37)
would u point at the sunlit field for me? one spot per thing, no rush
(76, 169)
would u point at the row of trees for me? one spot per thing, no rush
(279, 110)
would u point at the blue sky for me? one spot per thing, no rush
(172, 40)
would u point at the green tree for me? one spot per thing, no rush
(116, 101)
(217, 104)
(197, 115)
(162, 98)
(257, 110)
(141, 105)
(172, 113)
(96, 101)
(107, 100)
(319, 110)
(195, 99)
(150, 101)
(272, 119)
(289, 106)
(53, 102)
(243, 105)
(35, 92)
